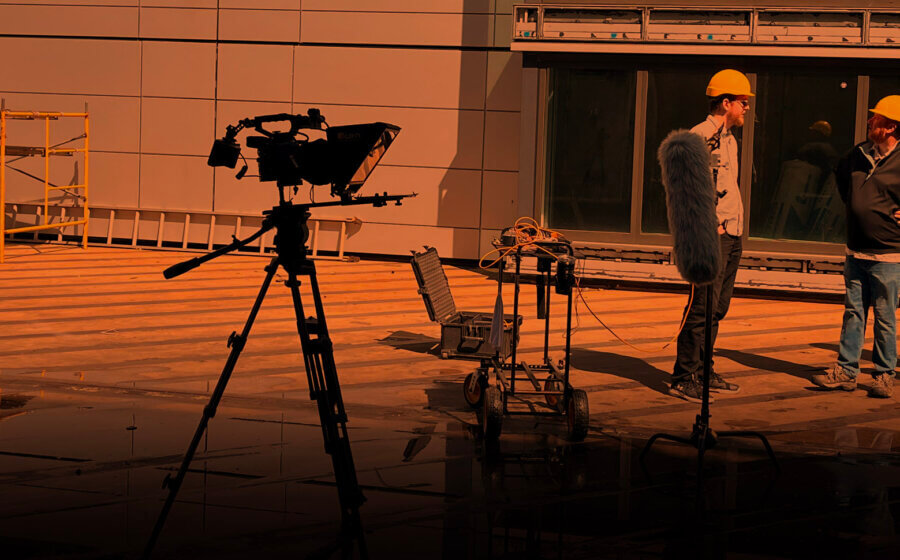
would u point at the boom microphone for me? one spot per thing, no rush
(691, 203)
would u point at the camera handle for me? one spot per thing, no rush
(313, 119)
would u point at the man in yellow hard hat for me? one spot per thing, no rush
(729, 99)
(868, 180)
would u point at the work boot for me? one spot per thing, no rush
(837, 378)
(718, 383)
(882, 386)
(688, 388)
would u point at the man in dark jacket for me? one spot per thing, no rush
(868, 179)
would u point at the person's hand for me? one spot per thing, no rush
(897, 216)
(721, 228)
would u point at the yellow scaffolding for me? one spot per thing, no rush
(46, 151)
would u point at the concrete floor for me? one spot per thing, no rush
(106, 368)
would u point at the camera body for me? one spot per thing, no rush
(287, 161)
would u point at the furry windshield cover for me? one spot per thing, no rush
(691, 203)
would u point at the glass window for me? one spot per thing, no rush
(675, 99)
(590, 143)
(881, 86)
(803, 123)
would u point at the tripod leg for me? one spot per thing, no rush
(324, 388)
(236, 342)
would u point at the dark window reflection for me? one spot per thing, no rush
(675, 99)
(590, 146)
(879, 87)
(803, 123)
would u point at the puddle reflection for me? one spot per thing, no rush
(81, 478)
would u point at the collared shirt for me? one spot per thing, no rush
(875, 154)
(724, 161)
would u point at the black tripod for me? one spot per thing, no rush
(291, 233)
(703, 437)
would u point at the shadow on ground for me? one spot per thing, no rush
(626, 367)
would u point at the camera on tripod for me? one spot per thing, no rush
(343, 159)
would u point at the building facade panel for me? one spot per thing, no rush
(82, 21)
(262, 4)
(499, 199)
(259, 25)
(397, 28)
(178, 69)
(175, 183)
(115, 179)
(177, 126)
(501, 141)
(178, 23)
(250, 72)
(412, 6)
(114, 3)
(179, 3)
(71, 66)
(432, 78)
(504, 81)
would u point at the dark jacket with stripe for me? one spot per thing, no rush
(871, 192)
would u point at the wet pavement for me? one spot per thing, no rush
(92, 421)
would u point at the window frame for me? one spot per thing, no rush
(643, 65)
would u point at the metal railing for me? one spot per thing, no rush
(717, 25)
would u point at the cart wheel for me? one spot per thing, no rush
(492, 419)
(577, 415)
(553, 384)
(474, 391)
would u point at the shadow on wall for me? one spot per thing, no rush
(474, 193)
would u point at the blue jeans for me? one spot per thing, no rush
(869, 284)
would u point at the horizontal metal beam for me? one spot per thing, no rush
(708, 50)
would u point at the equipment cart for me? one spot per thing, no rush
(507, 387)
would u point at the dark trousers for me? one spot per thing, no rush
(689, 357)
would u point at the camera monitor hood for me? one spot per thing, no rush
(355, 151)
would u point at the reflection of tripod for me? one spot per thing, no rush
(702, 436)
(291, 234)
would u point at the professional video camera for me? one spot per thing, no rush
(343, 159)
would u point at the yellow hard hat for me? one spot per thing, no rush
(728, 82)
(888, 107)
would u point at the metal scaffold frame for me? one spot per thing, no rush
(45, 151)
